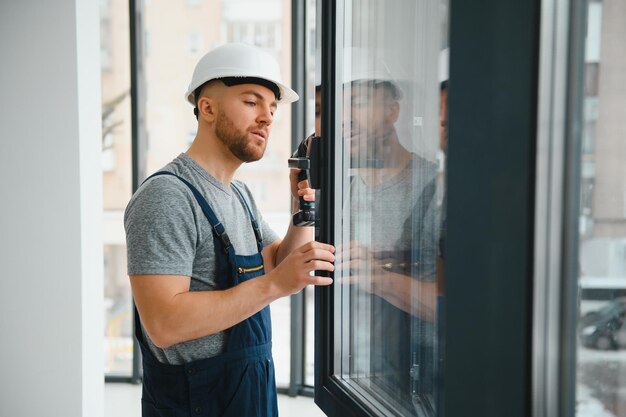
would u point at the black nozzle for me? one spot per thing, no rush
(301, 160)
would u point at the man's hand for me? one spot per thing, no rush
(300, 188)
(383, 278)
(294, 272)
(359, 267)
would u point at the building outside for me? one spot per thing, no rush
(602, 255)
(603, 199)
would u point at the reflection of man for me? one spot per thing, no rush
(393, 239)
(391, 195)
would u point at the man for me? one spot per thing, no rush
(203, 264)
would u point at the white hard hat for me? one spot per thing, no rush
(238, 60)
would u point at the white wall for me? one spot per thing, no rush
(51, 352)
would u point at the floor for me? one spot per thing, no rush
(123, 400)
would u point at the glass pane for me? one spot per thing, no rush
(309, 347)
(116, 173)
(602, 252)
(177, 36)
(391, 157)
(312, 34)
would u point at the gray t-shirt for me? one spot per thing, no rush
(168, 234)
(397, 220)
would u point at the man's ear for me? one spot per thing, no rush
(207, 109)
(394, 112)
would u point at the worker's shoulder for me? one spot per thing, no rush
(161, 193)
(159, 203)
(421, 163)
(167, 181)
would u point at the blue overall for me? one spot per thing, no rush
(240, 381)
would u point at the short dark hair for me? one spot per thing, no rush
(391, 87)
(196, 96)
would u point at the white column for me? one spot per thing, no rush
(51, 316)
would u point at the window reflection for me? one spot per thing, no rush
(390, 257)
(393, 134)
(602, 252)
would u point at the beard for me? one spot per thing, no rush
(369, 148)
(236, 140)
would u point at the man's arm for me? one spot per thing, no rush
(412, 294)
(172, 314)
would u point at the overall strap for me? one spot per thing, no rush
(255, 225)
(218, 227)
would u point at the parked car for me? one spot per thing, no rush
(606, 327)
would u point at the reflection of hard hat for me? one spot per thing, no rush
(444, 59)
(367, 65)
(363, 64)
(239, 60)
